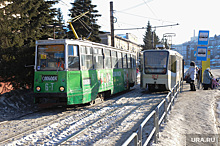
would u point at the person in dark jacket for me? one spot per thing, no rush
(207, 79)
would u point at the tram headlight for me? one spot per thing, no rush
(38, 89)
(62, 88)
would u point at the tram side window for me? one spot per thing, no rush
(107, 59)
(134, 61)
(89, 60)
(180, 64)
(177, 63)
(173, 63)
(98, 58)
(129, 60)
(114, 59)
(86, 58)
(119, 60)
(125, 60)
(73, 57)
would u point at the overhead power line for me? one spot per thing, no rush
(151, 27)
(149, 8)
(64, 2)
(144, 17)
(136, 6)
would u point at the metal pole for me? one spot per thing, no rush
(156, 120)
(136, 140)
(165, 109)
(140, 135)
(112, 25)
(53, 32)
(153, 40)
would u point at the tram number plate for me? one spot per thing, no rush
(49, 78)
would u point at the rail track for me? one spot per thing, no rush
(100, 122)
(65, 126)
(77, 113)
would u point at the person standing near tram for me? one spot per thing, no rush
(191, 72)
(207, 79)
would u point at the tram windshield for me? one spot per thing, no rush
(50, 57)
(155, 62)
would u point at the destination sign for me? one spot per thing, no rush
(51, 48)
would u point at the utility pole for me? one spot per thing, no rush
(112, 25)
(152, 39)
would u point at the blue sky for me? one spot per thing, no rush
(190, 14)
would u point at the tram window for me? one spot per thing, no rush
(83, 57)
(178, 66)
(178, 60)
(50, 57)
(155, 62)
(114, 59)
(169, 67)
(86, 58)
(107, 59)
(83, 50)
(98, 58)
(134, 61)
(89, 62)
(129, 60)
(173, 64)
(73, 57)
(119, 60)
(125, 60)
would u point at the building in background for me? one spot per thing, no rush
(126, 41)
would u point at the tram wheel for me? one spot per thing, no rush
(101, 97)
(92, 102)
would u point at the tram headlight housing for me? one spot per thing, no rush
(38, 89)
(62, 88)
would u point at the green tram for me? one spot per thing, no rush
(78, 71)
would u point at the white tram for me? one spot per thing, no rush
(160, 69)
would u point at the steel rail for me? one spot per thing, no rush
(17, 136)
(65, 141)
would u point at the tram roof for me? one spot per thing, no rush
(77, 42)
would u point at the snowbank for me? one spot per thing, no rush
(16, 103)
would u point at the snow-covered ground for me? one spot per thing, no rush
(15, 104)
(109, 122)
(194, 119)
(193, 113)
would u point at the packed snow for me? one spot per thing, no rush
(194, 113)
